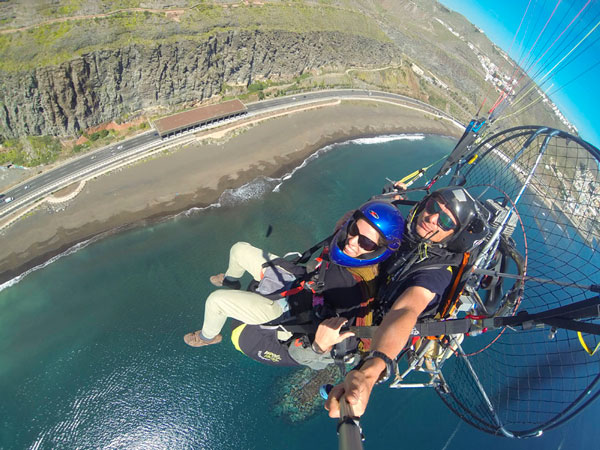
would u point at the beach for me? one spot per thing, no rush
(196, 174)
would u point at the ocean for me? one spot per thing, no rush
(91, 348)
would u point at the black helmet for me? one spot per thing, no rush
(472, 227)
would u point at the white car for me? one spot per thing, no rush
(8, 199)
(119, 147)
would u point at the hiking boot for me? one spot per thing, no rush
(195, 339)
(219, 280)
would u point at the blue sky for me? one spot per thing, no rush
(500, 20)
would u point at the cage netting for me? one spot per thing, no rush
(520, 382)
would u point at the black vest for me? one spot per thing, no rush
(409, 259)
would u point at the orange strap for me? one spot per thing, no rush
(453, 296)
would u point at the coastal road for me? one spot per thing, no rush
(85, 166)
(291, 100)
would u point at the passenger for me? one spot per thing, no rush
(335, 284)
(439, 229)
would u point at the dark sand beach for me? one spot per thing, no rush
(195, 175)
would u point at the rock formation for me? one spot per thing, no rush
(103, 85)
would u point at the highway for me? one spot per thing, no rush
(85, 166)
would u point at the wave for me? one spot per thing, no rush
(68, 252)
(312, 157)
(254, 189)
(359, 141)
(261, 186)
(388, 138)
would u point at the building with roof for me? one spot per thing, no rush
(198, 117)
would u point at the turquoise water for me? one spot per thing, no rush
(91, 349)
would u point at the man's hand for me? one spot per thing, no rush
(400, 187)
(394, 187)
(356, 390)
(328, 333)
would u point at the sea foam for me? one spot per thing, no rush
(261, 186)
(68, 252)
(388, 138)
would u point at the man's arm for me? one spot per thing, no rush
(390, 338)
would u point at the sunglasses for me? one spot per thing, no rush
(364, 242)
(445, 222)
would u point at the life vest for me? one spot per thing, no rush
(407, 262)
(308, 296)
(309, 305)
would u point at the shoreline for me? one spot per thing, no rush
(195, 176)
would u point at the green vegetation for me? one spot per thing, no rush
(31, 151)
(35, 150)
(53, 11)
(44, 149)
(12, 152)
(258, 86)
(98, 135)
(81, 147)
(271, 88)
(53, 43)
(438, 102)
(390, 79)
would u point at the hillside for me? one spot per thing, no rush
(65, 68)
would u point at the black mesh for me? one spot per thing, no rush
(527, 381)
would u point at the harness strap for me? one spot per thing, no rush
(294, 290)
(318, 285)
(433, 328)
(453, 295)
(308, 253)
(429, 328)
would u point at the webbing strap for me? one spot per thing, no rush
(453, 295)
(458, 326)
(430, 328)
(574, 325)
(308, 253)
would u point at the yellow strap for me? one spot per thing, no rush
(235, 336)
(411, 175)
(419, 173)
(584, 345)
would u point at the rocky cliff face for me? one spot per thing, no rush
(104, 85)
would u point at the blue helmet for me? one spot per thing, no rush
(388, 222)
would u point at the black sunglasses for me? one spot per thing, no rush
(445, 222)
(364, 242)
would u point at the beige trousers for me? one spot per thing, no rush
(247, 307)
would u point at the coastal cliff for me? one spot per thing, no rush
(67, 68)
(105, 84)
